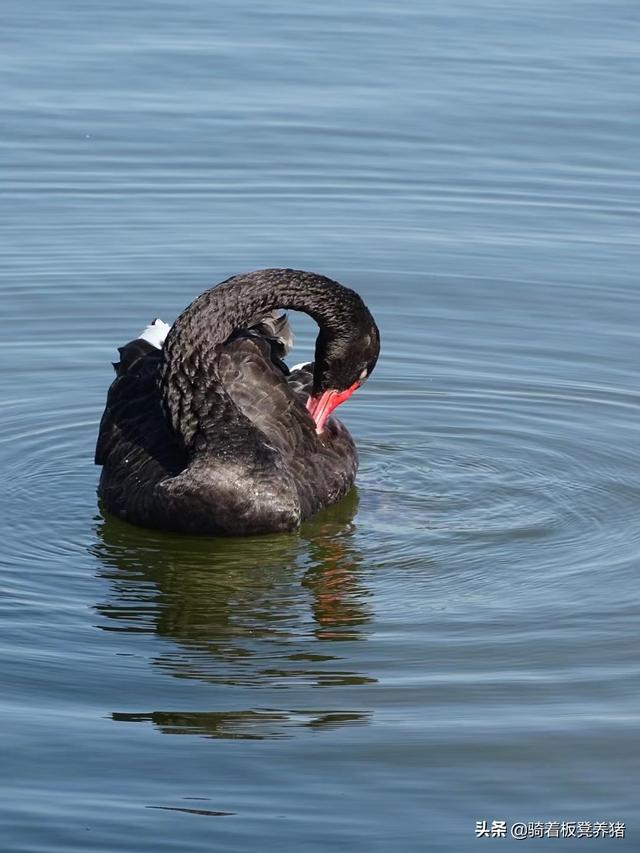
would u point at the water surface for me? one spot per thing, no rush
(457, 640)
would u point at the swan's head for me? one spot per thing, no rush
(343, 363)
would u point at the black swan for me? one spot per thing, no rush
(206, 430)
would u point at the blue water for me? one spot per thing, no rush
(455, 642)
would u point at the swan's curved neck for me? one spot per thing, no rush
(189, 384)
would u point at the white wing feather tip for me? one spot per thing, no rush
(155, 333)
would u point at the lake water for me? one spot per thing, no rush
(458, 640)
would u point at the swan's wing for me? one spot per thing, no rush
(132, 393)
(276, 329)
(300, 379)
(262, 393)
(133, 403)
(322, 470)
(130, 355)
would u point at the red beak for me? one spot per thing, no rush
(320, 406)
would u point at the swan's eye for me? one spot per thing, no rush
(363, 375)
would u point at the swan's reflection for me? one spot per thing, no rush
(242, 612)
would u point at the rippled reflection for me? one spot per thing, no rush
(242, 612)
(244, 725)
